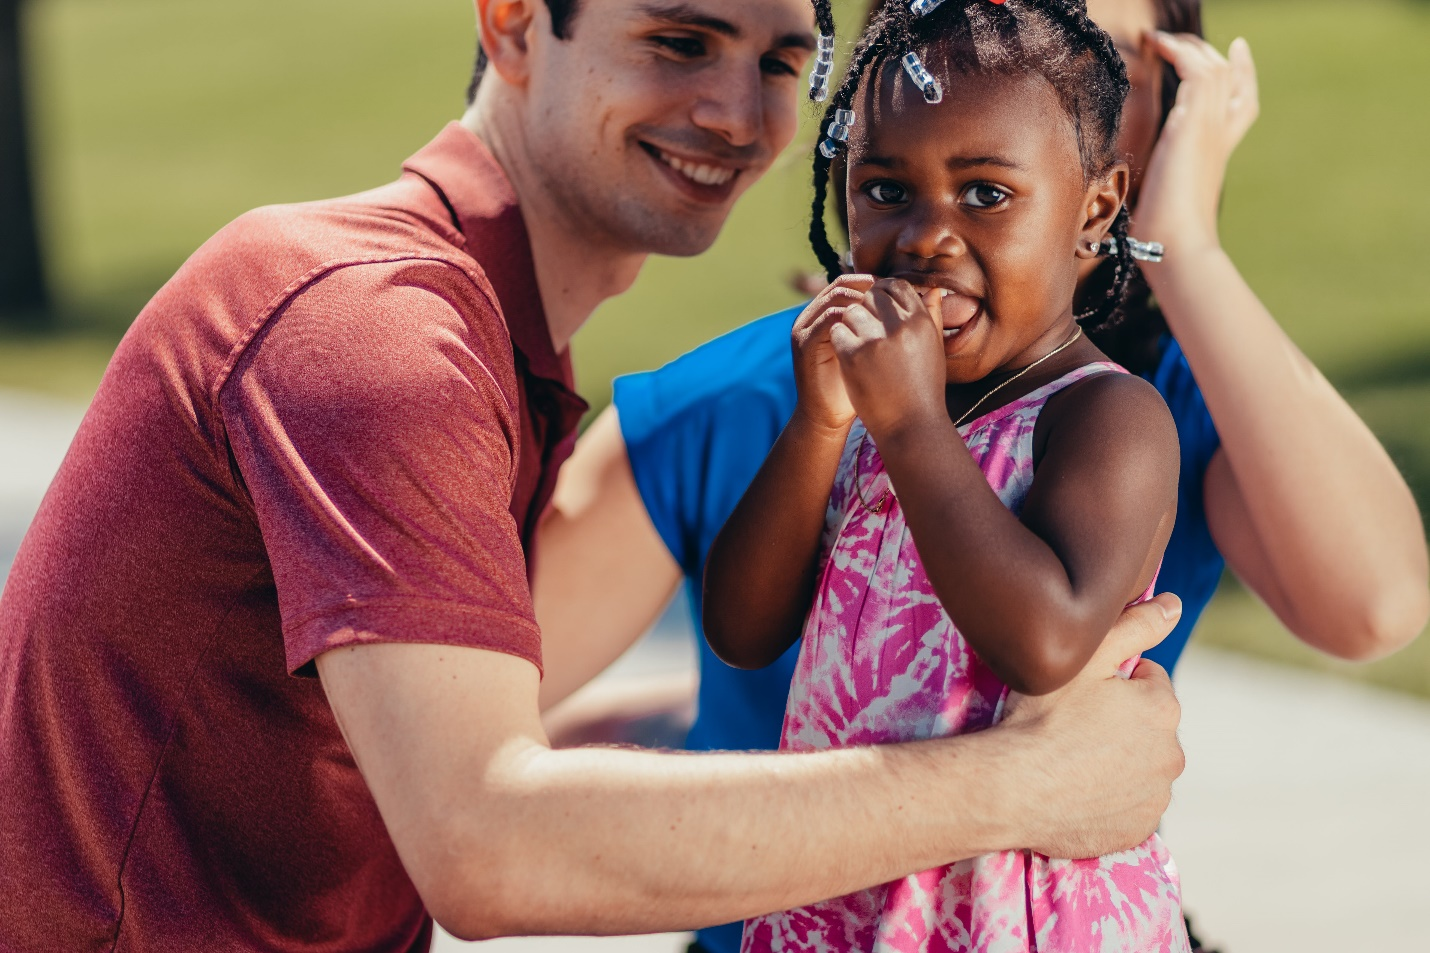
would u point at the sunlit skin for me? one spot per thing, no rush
(713, 84)
(968, 221)
(982, 197)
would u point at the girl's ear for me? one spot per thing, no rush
(504, 26)
(1105, 198)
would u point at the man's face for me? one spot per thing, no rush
(654, 116)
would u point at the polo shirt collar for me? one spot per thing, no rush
(477, 191)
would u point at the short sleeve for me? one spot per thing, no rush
(698, 429)
(373, 422)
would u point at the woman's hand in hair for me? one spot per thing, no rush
(1217, 104)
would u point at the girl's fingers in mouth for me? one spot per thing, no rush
(933, 301)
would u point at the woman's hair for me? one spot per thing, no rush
(1050, 38)
(1135, 342)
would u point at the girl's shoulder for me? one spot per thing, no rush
(1108, 408)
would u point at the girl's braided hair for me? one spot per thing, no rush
(1052, 38)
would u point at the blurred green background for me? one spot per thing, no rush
(157, 121)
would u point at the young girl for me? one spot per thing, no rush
(1004, 490)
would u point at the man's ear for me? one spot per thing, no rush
(505, 28)
(1105, 198)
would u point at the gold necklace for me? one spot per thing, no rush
(1046, 357)
(879, 507)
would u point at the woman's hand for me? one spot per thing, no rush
(1217, 104)
(890, 350)
(822, 397)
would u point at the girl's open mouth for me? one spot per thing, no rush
(955, 311)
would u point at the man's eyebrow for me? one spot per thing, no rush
(802, 41)
(681, 14)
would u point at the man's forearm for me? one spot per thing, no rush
(502, 835)
(636, 842)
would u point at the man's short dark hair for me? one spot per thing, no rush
(562, 13)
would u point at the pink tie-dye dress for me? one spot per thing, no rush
(881, 662)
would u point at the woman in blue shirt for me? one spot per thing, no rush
(1279, 478)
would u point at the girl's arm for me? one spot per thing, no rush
(760, 573)
(1305, 504)
(1036, 596)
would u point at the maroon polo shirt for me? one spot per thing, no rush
(337, 424)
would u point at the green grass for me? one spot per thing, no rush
(160, 120)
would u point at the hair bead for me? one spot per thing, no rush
(922, 8)
(839, 127)
(823, 67)
(923, 79)
(1152, 252)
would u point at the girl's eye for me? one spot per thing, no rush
(885, 193)
(983, 195)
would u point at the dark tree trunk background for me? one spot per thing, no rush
(22, 284)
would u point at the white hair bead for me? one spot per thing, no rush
(823, 67)
(922, 78)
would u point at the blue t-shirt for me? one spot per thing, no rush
(697, 431)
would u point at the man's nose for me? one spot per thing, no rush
(732, 105)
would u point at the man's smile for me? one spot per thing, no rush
(700, 178)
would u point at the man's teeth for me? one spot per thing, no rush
(696, 172)
(950, 333)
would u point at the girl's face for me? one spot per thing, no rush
(1129, 22)
(983, 196)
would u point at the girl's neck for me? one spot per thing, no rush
(960, 399)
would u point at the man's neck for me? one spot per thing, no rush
(573, 273)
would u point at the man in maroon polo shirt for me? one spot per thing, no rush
(322, 450)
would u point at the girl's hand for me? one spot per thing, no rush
(822, 397)
(890, 348)
(1217, 104)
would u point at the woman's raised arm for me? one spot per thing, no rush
(1301, 498)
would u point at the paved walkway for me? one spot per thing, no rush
(34, 434)
(1300, 825)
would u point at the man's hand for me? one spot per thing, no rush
(1108, 745)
